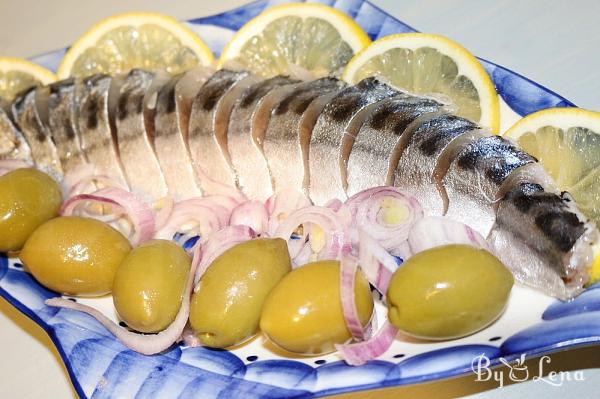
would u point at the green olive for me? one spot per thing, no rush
(149, 285)
(448, 292)
(303, 314)
(28, 198)
(226, 308)
(75, 256)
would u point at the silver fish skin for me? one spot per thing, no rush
(136, 150)
(295, 113)
(427, 148)
(171, 129)
(209, 119)
(96, 126)
(26, 114)
(250, 114)
(544, 240)
(12, 143)
(475, 178)
(63, 123)
(324, 179)
(370, 145)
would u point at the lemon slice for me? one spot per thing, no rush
(17, 74)
(135, 40)
(425, 64)
(566, 141)
(297, 36)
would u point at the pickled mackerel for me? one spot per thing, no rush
(206, 132)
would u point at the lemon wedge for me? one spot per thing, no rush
(135, 40)
(431, 64)
(17, 74)
(566, 141)
(297, 36)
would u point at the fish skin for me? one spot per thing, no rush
(250, 114)
(424, 150)
(96, 127)
(475, 178)
(371, 146)
(543, 240)
(324, 180)
(294, 114)
(63, 123)
(171, 124)
(210, 109)
(135, 146)
(26, 115)
(12, 143)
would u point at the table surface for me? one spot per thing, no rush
(555, 43)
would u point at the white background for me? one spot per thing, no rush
(556, 43)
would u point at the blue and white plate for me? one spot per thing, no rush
(100, 366)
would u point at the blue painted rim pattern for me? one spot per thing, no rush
(189, 371)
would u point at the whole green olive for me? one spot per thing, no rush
(226, 308)
(75, 255)
(149, 285)
(28, 198)
(303, 314)
(448, 292)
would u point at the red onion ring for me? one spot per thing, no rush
(84, 180)
(205, 215)
(435, 231)
(334, 230)
(252, 214)
(140, 213)
(377, 264)
(348, 269)
(359, 353)
(365, 208)
(281, 204)
(217, 243)
(167, 204)
(144, 344)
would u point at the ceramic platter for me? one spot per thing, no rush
(100, 366)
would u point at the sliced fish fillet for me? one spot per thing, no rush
(63, 123)
(428, 148)
(544, 240)
(96, 126)
(369, 146)
(295, 113)
(12, 143)
(26, 115)
(251, 112)
(209, 120)
(324, 179)
(475, 178)
(134, 120)
(171, 129)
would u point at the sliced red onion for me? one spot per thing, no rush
(348, 269)
(167, 204)
(8, 165)
(252, 214)
(366, 209)
(281, 204)
(194, 217)
(434, 231)
(85, 180)
(334, 231)
(217, 243)
(139, 213)
(359, 353)
(376, 263)
(144, 344)
(334, 204)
